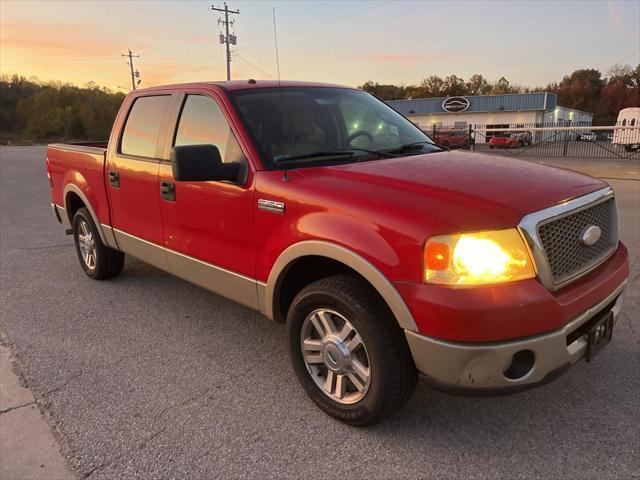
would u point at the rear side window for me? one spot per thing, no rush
(203, 123)
(141, 132)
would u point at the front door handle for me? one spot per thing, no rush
(114, 179)
(168, 190)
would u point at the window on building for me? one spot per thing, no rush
(141, 131)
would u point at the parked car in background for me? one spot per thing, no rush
(629, 137)
(453, 139)
(586, 137)
(504, 142)
(604, 136)
(487, 275)
(524, 138)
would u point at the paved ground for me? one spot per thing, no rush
(29, 448)
(149, 376)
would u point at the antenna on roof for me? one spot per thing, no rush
(275, 40)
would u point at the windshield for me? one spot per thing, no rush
(314, 124)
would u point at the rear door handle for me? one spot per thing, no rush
(114, 179)
(167, 190)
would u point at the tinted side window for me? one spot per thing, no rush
(202, 122)
(142, 129)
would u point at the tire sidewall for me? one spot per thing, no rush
(302, 306)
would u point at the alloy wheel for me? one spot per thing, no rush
(87, 244)
(335, 356)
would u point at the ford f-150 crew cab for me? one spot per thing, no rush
(326, 210)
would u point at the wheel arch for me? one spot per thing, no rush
(72, 194)
(339, 257)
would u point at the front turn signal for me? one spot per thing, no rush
(479, 258)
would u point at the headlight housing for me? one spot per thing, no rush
(480, 258)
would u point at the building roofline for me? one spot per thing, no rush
(472, 96)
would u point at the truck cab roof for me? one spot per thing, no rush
(248, 84)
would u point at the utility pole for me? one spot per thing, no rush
(226, 39)
(135, 74)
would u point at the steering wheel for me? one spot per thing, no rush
(360, 133)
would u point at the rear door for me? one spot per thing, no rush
(209, 226)
(132, 179)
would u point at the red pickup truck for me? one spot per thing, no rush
(329, 212)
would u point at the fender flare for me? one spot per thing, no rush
(351, 259)
(70, 187)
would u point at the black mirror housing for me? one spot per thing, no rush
(201, 163)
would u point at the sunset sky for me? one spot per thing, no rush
(348, 42)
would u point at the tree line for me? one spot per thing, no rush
(585, 89)
(31, 110)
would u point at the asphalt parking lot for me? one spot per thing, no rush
(147, 376)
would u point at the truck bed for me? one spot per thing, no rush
(84, 163)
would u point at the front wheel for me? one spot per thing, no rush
(348, 351)
(97, 260)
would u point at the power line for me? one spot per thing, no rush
(253, 65)
(226, 38)
(135, 74)
(630, 55)
(316, 25)
(187, 21)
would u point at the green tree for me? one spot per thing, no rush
(478, 85)
(432, 86)
(454, 86)
(580, 90)
(55, 111)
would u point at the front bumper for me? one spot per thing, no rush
(480, 367)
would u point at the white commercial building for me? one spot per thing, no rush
(482, 112)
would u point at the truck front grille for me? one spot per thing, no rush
(561, 238)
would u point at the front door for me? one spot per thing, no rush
(208, 226)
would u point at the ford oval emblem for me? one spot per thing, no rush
(591, 235)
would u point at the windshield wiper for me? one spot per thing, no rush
(414, 146)
(346, 152)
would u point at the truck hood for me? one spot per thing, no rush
(465, 190)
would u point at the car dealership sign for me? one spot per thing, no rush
(455, 104)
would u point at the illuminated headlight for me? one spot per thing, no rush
(480, 258)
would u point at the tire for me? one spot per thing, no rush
(97, 260)
(391, 374)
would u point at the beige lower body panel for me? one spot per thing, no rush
(235, 287)
(146, 251)
(481, 366)
(61, 214)
(218, 280)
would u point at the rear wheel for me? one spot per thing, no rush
(97, 260)
(348, 352)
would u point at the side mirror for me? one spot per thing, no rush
(201, 163)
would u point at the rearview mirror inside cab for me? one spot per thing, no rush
(201, 163)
